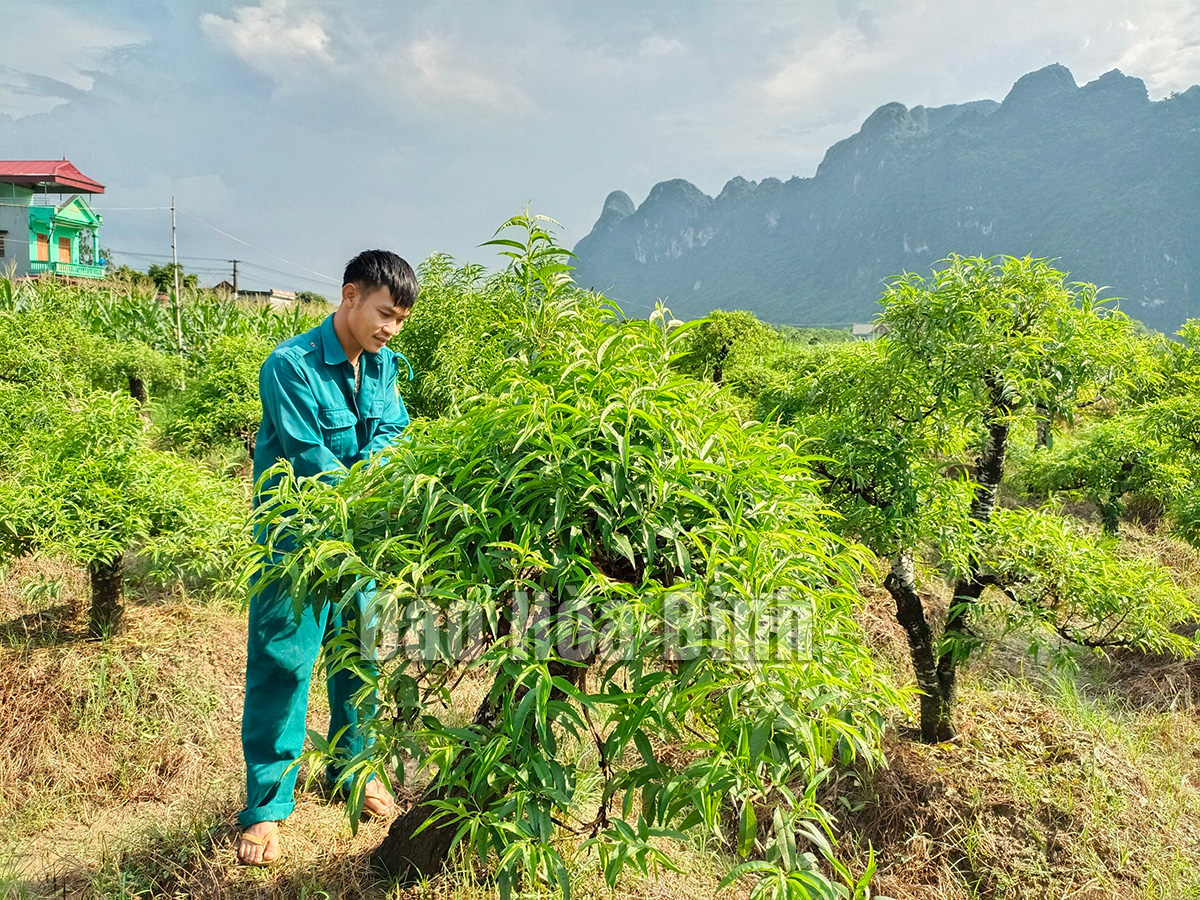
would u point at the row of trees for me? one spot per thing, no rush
(607, 501)
(102, 424)
(646, 535)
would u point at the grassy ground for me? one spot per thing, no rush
(120, 772)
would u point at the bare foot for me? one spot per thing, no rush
(259, 844)
(378, 801)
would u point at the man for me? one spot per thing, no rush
(329, 400)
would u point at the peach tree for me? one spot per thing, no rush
(649, 589)
(914, 430)
(78, 479)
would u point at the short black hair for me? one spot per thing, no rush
(373, 269)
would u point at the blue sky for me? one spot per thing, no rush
(312, 129)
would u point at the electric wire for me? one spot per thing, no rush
(259, 249)
(99, 209)
(321, 275)
(140, 255)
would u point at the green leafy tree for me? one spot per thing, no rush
(1103, 463)
(914, 428)
(163, 277)
(633, 569)
(1059, 581)
(459, 334)
(720, 338)
(887, 464)
(78, 480)
(994, 340)
(221, 403)
(128, 276)
(42, 351)
(537, 262)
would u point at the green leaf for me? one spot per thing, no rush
(747, 829)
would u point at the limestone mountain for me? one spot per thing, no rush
(1099, 177)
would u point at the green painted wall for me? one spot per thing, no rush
(69, 221)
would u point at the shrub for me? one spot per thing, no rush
(221, 403)
(77, 479)
(618, 542)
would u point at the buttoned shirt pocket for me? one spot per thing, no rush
(338, 431)
(371, 415)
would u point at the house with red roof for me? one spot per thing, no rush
(41, 233)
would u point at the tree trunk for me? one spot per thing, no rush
(968, 588)
(936, 724)
(408, 857)
(1045, 422)
(137, 389)
(1110, 516)
(107, 596)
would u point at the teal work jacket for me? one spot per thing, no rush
(311, 414)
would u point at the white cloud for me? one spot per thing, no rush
(657, 46)
(835, 57)
(270, 38)
(41, 45)
(438, 80)
(1165, 48)
(19, 98)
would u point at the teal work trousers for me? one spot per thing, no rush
(281, 654)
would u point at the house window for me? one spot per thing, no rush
(43, 248)
(3, 235)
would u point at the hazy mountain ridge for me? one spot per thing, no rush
(1098, 176)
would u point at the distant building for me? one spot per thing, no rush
(274, 295)
(40, 233)
(868, 331)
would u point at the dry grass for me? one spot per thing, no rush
(1083, 786)
(120, 776)
(102, 735)
(1038, 799)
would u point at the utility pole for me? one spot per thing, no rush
(235, 287)
(175, 272)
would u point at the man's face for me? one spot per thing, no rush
(372, 318)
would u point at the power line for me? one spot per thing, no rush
(112, 249)
(259, 249)
(279, 272)
(116, 251)
(100, 209)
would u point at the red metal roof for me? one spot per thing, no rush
(47, 174)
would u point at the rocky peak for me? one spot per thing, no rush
(676, 195)
(892, 123)
(735, 189)
(1046, 84)
(1117, 86)
(617, 206)
(941, 116)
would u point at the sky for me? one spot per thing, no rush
(294, 133)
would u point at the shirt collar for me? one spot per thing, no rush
(330, 345)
